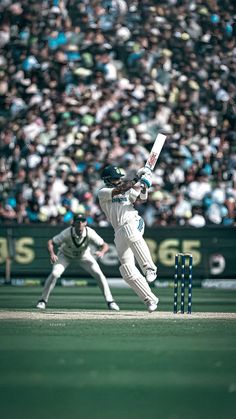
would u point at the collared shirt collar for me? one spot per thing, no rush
(76, 235)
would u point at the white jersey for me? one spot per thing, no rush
(119, 209)
(74, 246)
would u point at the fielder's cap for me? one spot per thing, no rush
(79, 218)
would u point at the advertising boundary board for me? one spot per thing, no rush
(23, 251)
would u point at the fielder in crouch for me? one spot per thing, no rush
(74, 243)
(116, 200)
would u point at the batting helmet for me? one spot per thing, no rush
(111, 172)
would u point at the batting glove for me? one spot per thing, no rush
(143, 171)
(146, 180)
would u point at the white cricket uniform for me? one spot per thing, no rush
(73, 247)
(119, 209)
(129, 228)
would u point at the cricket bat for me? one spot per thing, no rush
(153, 157)
(155, 151)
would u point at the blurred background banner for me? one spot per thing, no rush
(84, 84)
(23, 251)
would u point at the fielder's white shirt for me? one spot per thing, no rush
(119, 209)
(74, 246)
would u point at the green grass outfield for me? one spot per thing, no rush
(147, 367)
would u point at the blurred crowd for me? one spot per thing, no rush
(89, 83)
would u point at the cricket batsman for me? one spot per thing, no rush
(74, 243)
(116, 199)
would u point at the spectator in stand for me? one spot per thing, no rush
(86, 84)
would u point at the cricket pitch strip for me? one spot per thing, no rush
(108, 315)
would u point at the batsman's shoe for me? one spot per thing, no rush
(151, 275)
(113, 306)
(41, 304)
(152, 305)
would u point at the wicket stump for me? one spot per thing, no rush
(183, 272)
